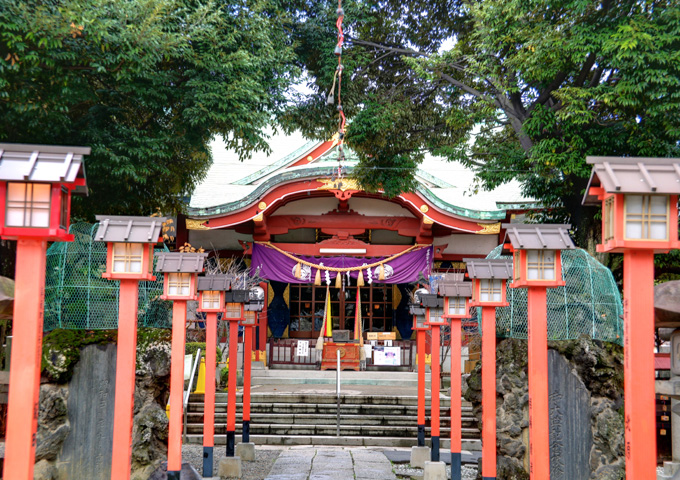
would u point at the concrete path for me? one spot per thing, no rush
(312, 463)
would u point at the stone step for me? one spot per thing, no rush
(314, 398)
(327, 408)
(330, 429)
(328, 377)
(474, 445)
(327, 419)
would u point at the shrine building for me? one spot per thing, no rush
(291, 215)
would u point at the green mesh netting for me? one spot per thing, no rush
(76, 295)
(589, 303)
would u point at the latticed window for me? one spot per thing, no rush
(250, 318)
(179, 284)
(609, 219)
(127, 257)
(28, 205)
(457, 306)
(436, 314)
(210, 300)
(233, 310)
(420, 321)
(540, 265)
(490, 290)
(646, 217)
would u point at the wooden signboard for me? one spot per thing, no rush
(381, 336)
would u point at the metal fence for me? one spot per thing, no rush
(76, 295)
(589, 303)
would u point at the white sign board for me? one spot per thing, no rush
(303, 348)
(368, 349)
(390, 356)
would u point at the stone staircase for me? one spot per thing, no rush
(302, 416)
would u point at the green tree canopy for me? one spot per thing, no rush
(147, 84)
(511, 88)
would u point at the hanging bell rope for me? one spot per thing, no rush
(338, 281)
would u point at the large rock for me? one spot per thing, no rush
(589, 376)
(53, 423)
(667, 304)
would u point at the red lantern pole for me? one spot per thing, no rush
(539, 419)
(456, 407)
(209, 409)
(126, 357)
(247, 355)
(420, 344)
(179, 318)
(489, 393)
(24, 374)
(434, 386)
(231, 395)
(638, 324)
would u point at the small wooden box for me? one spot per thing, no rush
(349, 356)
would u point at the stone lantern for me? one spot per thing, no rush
(639, 198)
(538, 266)
(129, 259)
(489, 279)
(181, 270)
(36, 185)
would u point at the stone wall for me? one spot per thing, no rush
(75, 426)
(586, 409)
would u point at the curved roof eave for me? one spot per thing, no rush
(315, 172)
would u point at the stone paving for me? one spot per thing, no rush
(317, 463)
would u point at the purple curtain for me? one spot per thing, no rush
(273, 265)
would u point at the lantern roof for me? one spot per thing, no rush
(452, 288)
(184, 262)
(497, 269)
(538, 236)
(219, 282)
(127, 229)
(41, 163)
(633, 175)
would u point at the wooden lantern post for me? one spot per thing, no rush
(435, 309)
(181, 271)
(129, 259)
(489, 278)
(420, 325)
(36, 184)
(252, 308)
(457, 296)
(211, 301)
(537, 267)
(235, 313)
(639, 198)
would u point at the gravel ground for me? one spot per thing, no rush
(406, 471)
(257, 470)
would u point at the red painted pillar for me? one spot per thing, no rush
(126, 357)
(420, 345)
(456, 407)
(638, 324)
(434, 388)
(539, 418)
(489, 393)
(231, 395)
(247, 356)
(209, 408)
(179, 318)
(24, 374)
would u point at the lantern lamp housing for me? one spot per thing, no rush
(420, 322)
(435, 316)
(211, 292)
(234, 311)
(249, 317)
(536, 253)
(181, 270)
(130, 242)
(489, 278)
(36, 186)
(457, 296)
(639, 198)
